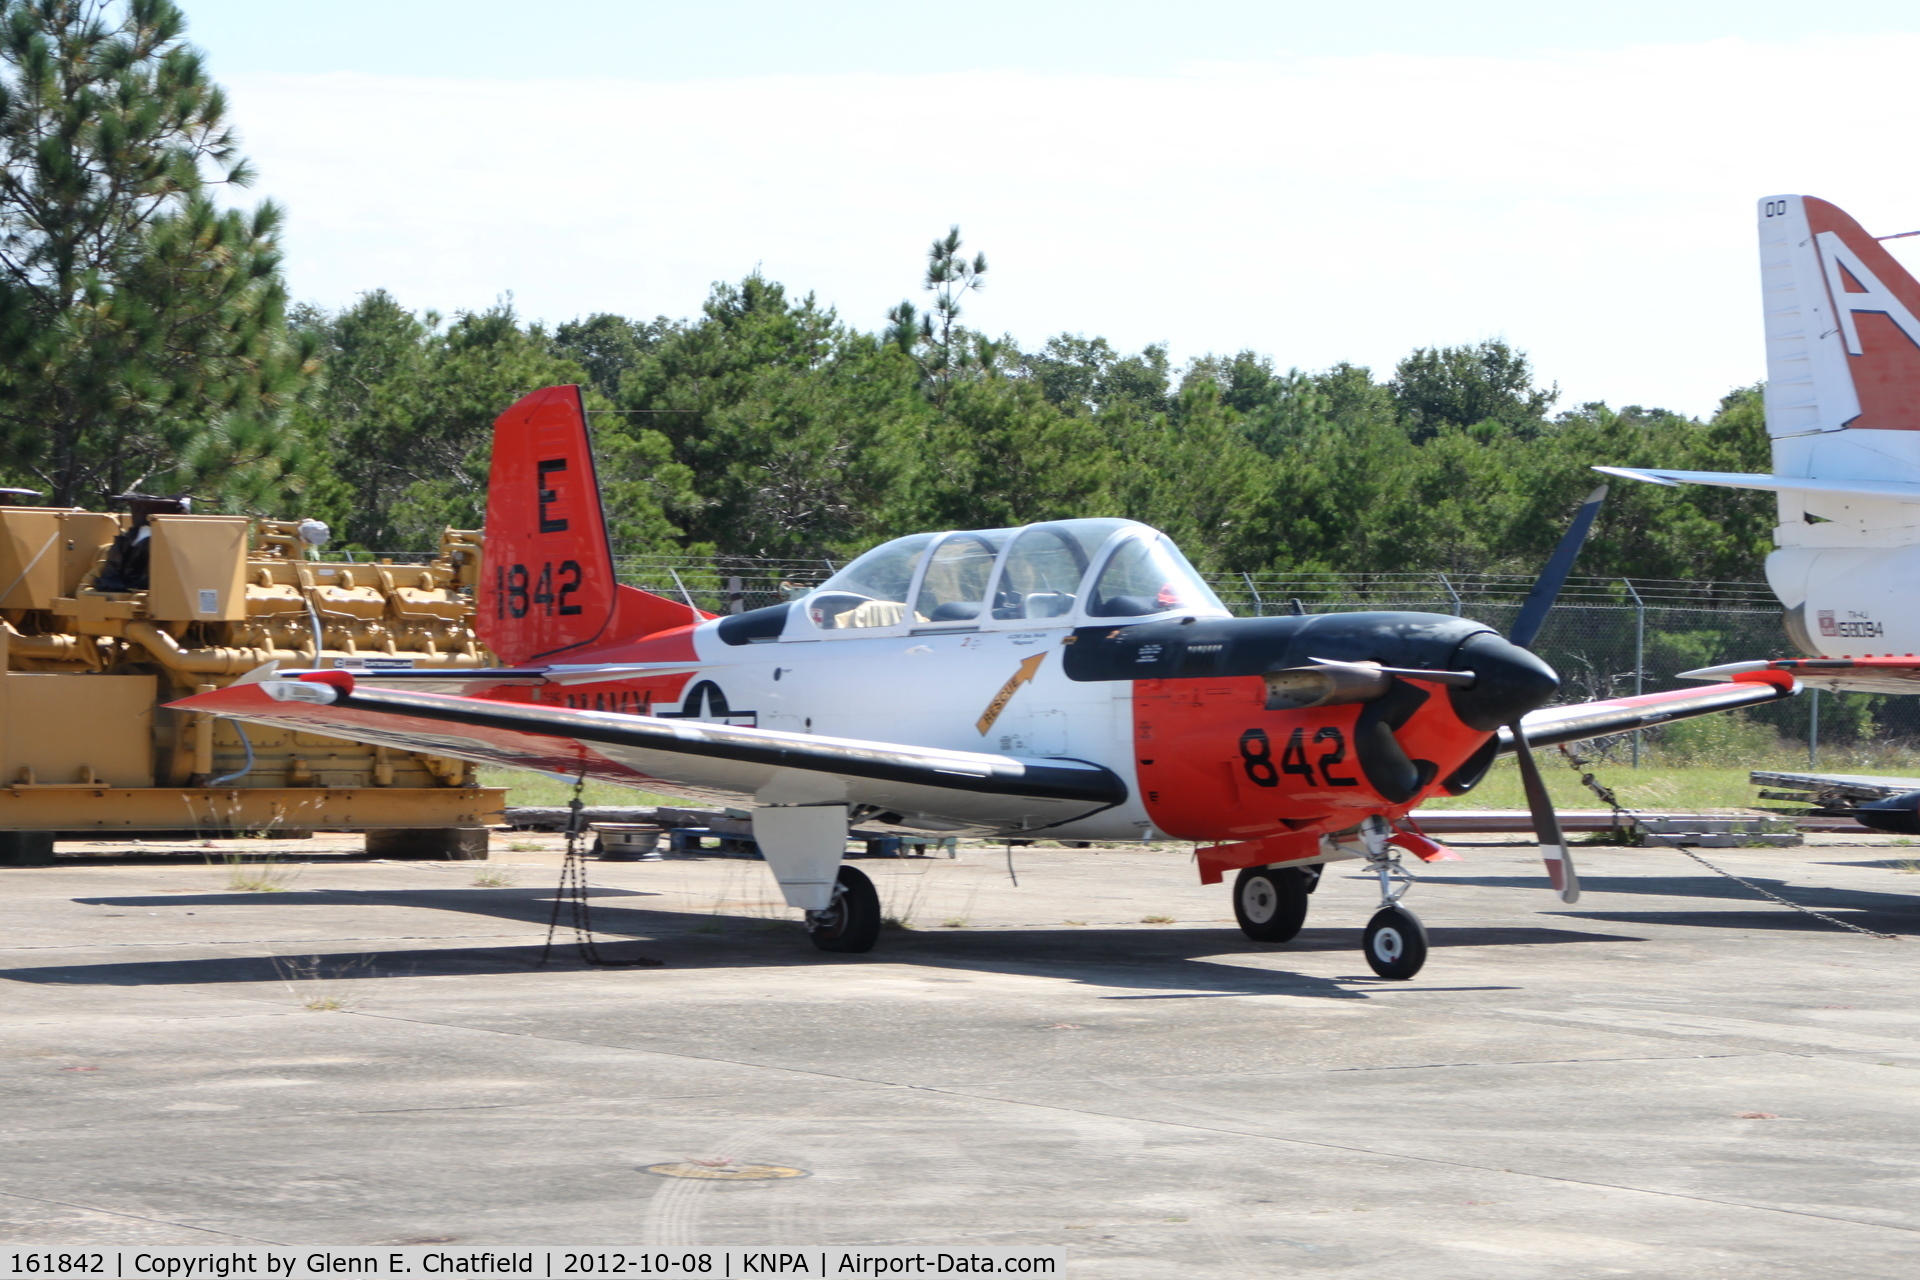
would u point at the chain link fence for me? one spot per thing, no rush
(1607, 637)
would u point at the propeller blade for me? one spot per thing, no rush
(1546, 823)
(1546, 588)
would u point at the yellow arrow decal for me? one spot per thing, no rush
(1000, 699)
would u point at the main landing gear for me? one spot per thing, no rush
(851, 921)
(1271, 905)
(1271, 902)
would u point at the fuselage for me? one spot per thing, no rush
(1177, 707)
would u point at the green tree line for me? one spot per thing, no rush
(769, 426)
(147, 341)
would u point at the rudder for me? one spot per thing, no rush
(547, 585)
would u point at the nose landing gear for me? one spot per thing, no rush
(1395, 940)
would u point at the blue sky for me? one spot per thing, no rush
(510, 39)
(1317, 182)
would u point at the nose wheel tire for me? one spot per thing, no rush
(1395, 943)
(1271, 904)
(851, 922)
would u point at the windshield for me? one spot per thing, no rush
(872, 591)
(1150, 576)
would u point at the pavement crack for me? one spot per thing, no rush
(1387, 1153)
(136, 1217)
(1191, 1126)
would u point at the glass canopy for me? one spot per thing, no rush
(1060, 573)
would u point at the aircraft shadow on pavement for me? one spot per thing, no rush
(1187, 960)
(1908, 864)
(1868, 908)
(529, 904)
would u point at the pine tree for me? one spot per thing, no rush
(142, 329)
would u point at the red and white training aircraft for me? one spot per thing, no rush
(1073, 679)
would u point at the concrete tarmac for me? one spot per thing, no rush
(1671, 1078)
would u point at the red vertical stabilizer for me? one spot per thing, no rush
(547, 586)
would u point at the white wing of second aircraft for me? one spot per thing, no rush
(1892, 490)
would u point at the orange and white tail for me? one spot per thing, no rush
(1843, 327)
(547, 586)
(1843, 410)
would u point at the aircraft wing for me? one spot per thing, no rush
(1896, 490)
(1842, 675)
(1751, 685)
(928, 787)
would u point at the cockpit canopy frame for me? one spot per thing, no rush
(1054, 574)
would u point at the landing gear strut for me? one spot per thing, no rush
(851, 921)
(1395, 940)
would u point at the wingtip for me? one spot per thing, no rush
(1629, 473)
(1725, 670)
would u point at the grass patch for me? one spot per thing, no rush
(308, 980)
(954, 922)
(1693, 766)
(525, 787)
(1650, 787)
(254, 875)
(494, 879)
(1156, 919)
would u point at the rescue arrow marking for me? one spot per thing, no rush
(1026, 672)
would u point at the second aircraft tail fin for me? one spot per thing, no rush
(1842, 324)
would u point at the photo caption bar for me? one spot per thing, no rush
(286, 1262)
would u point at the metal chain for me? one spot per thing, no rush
(1577, 763)
(573, 892)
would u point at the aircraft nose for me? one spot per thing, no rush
(1509, 682)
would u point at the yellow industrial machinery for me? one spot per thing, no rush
(105, 618)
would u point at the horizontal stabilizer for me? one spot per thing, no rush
(1890, 490)
(1549, 726)
(1839, 675)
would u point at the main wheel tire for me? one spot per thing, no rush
(1270, 904)
(1395, 943)
(851, 922)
